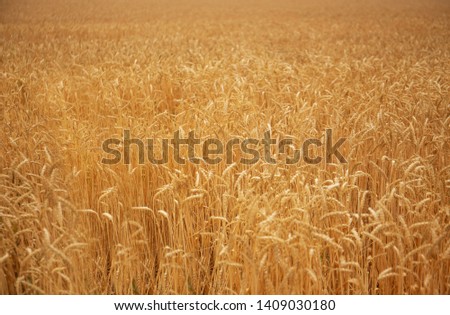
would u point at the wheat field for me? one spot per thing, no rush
(74, 73)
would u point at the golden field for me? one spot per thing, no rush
(74, 73)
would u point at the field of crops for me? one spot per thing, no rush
(76, 73)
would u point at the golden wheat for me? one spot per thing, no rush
(75, 73)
